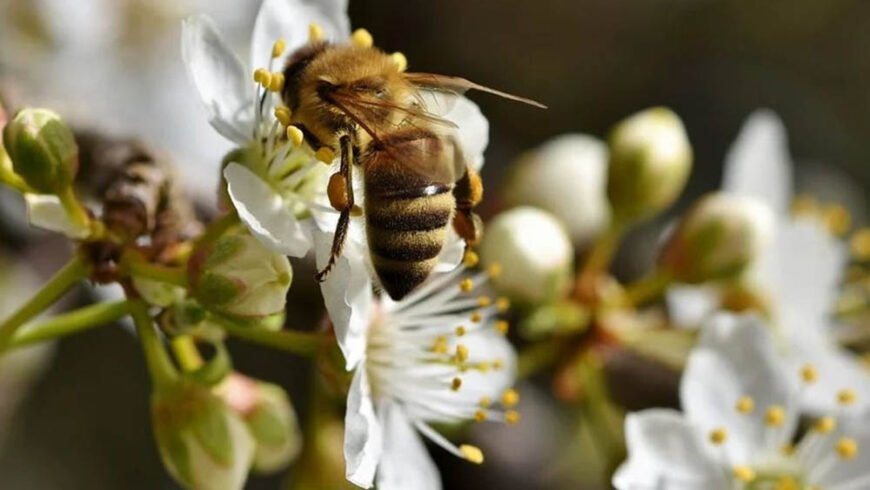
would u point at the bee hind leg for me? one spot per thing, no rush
(468, 192)
(340, 193)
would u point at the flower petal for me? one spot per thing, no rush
(735, 357)
(265, 213)
(289, 20)
(838, 369)
(758, 163)
(666, 453)
(363, 435)
(473, 132)
(219, 77)
(347, 293)
(405, 462)
(689, 306)
(46, 212)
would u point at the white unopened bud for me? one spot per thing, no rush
(566, 176)
(650, 160)
(717, 239)
(42, 149)
(203, 443)
(236, 275)
(535, 254)
(270, 417)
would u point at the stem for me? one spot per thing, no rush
(303, 344)
(75, 270)
(186, 352)
(70, 323)
(163, 372)
(137, 266)
(648, 287)
(601, 254)
(73, 207)
(535, 359)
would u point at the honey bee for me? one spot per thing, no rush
(357, 101)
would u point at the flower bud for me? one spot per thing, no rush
(203, 443)
(717, 239)
(567, 177)
(42, 149)
(270, 418)
(650, 160)
(534, 252)
(236, 275)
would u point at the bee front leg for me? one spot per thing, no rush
(468, 192)
(340, 193)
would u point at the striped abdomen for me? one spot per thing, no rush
(406, 229)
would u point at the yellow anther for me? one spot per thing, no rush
(315, 32)
(502, 327)
(860, 244)
(400, 60)
(775, 416)
(471, 453)
(745, 405)
(788, 449)
(276, 81)
(295, 135)
(484, 301)
(804, 205)
(512, 417)
(470, 259)
(460, 331)
(494, 269)
(787, 483)
(809, 374)
(837, 219)
(846, 397)
(476, 317)
(502, 304)
(325, 154)
(466, 285)
(278, 47)
(440, 346)
(461, 353)
(479, 416)
(485, 402)
(825, 425)
(744, 473)
(456, 384)
(718, 436)
(362, 38)
(510, 398)
(498, 364)
(483, 367)
(847, 448)
(261, 74)
(283, 115)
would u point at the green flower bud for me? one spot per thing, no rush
(650, 160)
(236, 275)
(534, 252)
(42, 149)
(270, 417)
(203, 443)
(717, 239)
(565, 176)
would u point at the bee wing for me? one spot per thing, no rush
(458, 85)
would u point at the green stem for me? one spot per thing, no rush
(303, 344)
(535, 359)
(70, 323)
(186, 352)
(648, 287)
(138, 267)
(74, 271)
(601, 254)
(163, 372)
(73, 207)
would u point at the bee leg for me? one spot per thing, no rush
(340, 193)
(468, 192)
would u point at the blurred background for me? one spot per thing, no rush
(114, 66)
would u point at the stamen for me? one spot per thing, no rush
(837, 219)
(361, 38)
(276, 81)
(456, 384)
(485, 402)
(788, 449)
(484, 301)
(512, 417)
(479, 416)
(295, 135)
(400, 60)
(745, 405)
(440, 346)
(260, 74)
(846, 397)
(483, 367)
(476, 317)
(325, 154)
(494, 270)
(804, 205)
(510, 398)
(466, 285)
(825, 425)
(860, 244)
(502, 327)
(471, 453)
(283, 115)
(498, 364)
(744, 473)
(809, 374)
(461, 353)
(847, 448)
(470, 259)
(460, 331)
(718, 436)
(315, 32)
(775, 416)
(278, 47)
(502, 304)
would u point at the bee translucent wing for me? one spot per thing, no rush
(458, 85)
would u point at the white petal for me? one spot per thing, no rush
(363, 435)
(838, 369)
(689, 306)
(46, 212)
(347, 293)
(220, 78)
(405, 462)
(265, 213)
(452, 253)
(758, 163)
(289, 20)
(850, 474)
(735, 357)
(666, 453)
(473, 132)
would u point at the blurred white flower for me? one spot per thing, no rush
(740, 418)
(566, 176)
(799, 272)
(437, 356)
